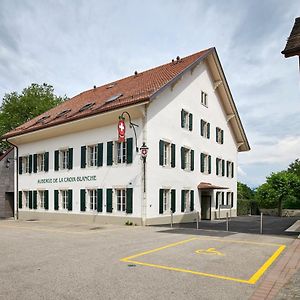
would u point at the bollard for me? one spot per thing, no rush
(198, 217)
(261, 223)
(227, 222)
(171, 219)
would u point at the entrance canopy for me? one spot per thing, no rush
(209, 186)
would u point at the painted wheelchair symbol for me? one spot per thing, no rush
(210, 251)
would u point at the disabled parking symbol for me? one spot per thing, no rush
(210, 251)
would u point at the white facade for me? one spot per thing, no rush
(159, 120)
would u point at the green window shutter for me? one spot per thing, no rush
(46, 161)
(109, 153)
(182, 158)
(109, 207)
(208, 130)
(182, 200)
(129, 150)
(70, 158)
(222, 198)
(173, 200)
(231, 199)
(209, 164)
(56, 160)
(20, 165)
(192, 201)
(161, 201)
(222, 136)
(161, 153)
(100, 155)
(46, 199)
(227, 168)
(34, 206)
(83, 157)
(129, 193)
(232, 170)
(30, 199)
(55, 199)
(202, 127)
(223, 167)
(70, 200)
(217, 134)
(227, 198)
(190, 122)
(20, 199)
(99, 200)
(34, 163)
(192, 160)
(202, 162)
(217, 166)
(30, 163)
(182, 118)
(82, 200)
(173, 155)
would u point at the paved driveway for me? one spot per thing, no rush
(42, 260)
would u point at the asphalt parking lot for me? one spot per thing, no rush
(70, 261)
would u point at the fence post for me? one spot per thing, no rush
(261, 223)
(198, 217)
(171, 219)
(227, 222)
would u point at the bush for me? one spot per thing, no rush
(244, 207)
(291, 202)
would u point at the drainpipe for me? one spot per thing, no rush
(144, 171)
(16, 177)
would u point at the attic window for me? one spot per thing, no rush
(42, 119)
(86, 106)
(113, 98)
(111, 85)
(62, 113)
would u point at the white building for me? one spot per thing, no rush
(72, 167)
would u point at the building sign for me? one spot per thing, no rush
(121, 130)
(67, 179)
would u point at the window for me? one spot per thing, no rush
(230, 169)
(92, 155)
(205, 129)
(187, 159)
(121, 200)
(42, 199)
(41, 162)
(64, 199)
(220, 167)
(229, 199)
(25, 164)
(93, 199)
(120, 152)
(187, 200)
(63, 159)
(166, 154)
(219, 199)
(219, 135)
(166, 201)
(205, 163)
(186, 120)
(203, 98)
(26, 198)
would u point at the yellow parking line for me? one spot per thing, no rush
(253, 279)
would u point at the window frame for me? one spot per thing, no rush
(93, 200)
(64, 199)
(41, 202)
(187, 201)
(204, 99)
(166, 201)
(219, 133)
(205, 163)
(63, 159)
(40, 160)
(92, 155)
(166, 154)
(185, 119)
(205, 129)
(120, 152)
(120, 194)
(25, 164)
(187, 159)
(25, 199)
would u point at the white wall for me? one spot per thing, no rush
(164, 122)
(122, 175)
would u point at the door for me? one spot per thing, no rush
(205, 207)
(9, 204)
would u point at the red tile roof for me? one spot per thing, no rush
(133, 89)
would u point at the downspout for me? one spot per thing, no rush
(16, 177)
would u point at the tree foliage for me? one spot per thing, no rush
(280, 190)
(294, 167)
(244, 192)
(17, 109)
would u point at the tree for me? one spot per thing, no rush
(244, 192)
(294, 167)
(280, 188)
(17, 109)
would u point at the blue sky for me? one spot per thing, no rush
(74, 45)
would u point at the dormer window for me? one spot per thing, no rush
(203, 98)
(86, 106)
(62, 113)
